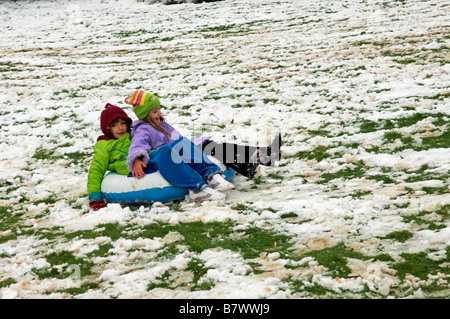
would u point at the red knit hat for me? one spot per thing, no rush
(109, 115)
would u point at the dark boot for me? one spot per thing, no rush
(248, 170)
(271, 154)
(243, 159)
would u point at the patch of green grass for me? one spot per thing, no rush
(49, 200)
(318, 132)
(130, 33)
(368, 126)
(319, 153)
(444, 212)
(49, 155)
(267, 101)
(162, 281)
(275, 176)
(7, 282)
(391, 136)
(421, 221)
(167, 253)
(220, 28)
(305, 83)
(405, 61)
(176, 207)
(241, 207)
(335, 259)
(435, 190)
(102, 251)
(250, 243)
(204, 285)
(288, 215)
(9, 220)
(256, 267)
(9, 66)
(197, 267)
(386, 179)
(355, 170)
(314, 290)
(258, 180)
(80, 290)
(401, 236)
(198, 236)
(424, 173)
(61, 263)
(360, 193)
(433, 288)
(440, 141)
(113, 230)
(418, 265)
(239, 105)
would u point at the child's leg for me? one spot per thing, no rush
(175, 170)
(229, 153)
(191, 154)
(243, 159)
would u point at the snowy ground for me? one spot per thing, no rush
(358, 207)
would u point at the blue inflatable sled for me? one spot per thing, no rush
(153, 187)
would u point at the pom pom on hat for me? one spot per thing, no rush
(142, 103)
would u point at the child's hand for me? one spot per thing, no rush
(138, 168)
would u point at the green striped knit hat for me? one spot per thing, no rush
(142, 103)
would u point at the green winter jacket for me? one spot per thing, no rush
(109, 155)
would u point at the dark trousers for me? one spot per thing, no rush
(242, 158)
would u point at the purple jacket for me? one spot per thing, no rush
(145, 138)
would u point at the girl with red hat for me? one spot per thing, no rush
(110, 151)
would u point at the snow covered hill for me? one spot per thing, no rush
(358, 207)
